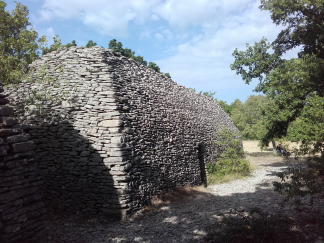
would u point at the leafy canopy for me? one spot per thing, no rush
(295, 87)
(288, 83)
(127, 52)
(248, 116)
(90, 44)
(18, 43)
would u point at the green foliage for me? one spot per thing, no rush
(54, 47)
(90, 44)
(115, 46)
(288, 83)
(127, 52)
(18, 43)
(140, 60)
(34, 98)
(295, 87)
(68, 45)
(254, 227)
(232, 157)
(155, 67)
(208, 94)
(167, 75)
(226, 107)
(304, 24)
(300, 182)
(248, 116)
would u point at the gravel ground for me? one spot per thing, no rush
(186, 221)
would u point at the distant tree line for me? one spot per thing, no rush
(248, 116)
(113, 44)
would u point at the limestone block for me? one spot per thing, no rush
(110, 123)
(6, 110)
(23, 147)
(18, 138)
(10, 131)
(68, 104)
(8, 121)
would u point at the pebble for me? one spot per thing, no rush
(187, 221)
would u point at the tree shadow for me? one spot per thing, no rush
(188, 220)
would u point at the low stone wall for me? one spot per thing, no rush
(22, 211)
(111, 133)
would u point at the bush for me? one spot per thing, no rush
(231, 160)
(301, 182)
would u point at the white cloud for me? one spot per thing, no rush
(110, 17)
(200, 35)
(146, 34)
(50, 33)
(155, 17)
(107, 17)
(168, 34)
(159, 37)
(203, 61)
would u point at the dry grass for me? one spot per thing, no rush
(252, 147)
(178, 194)
(214, 179)
(259, 159)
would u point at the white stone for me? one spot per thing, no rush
(109, 123)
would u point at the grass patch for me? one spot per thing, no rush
(232, 164)
(214, 179)
(254, 227)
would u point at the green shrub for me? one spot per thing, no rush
(232, 158)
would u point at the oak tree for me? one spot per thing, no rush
(295, 86)
(18, 43)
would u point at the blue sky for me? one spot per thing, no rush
(193, 40)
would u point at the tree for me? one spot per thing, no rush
(288, 83)
(71, 44)
(167, 75)
(140, 60)
(155, 67)
(90, 44)
(295, 86)
(54, 47)
(208, 94)
(18, 43)
(115, 46)
(248, 116)
(127, 52)
(226, 107)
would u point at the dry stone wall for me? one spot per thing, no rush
(22, 211)
(111, 133)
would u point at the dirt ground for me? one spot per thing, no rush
(259, 158)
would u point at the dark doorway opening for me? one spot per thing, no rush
(201, 158)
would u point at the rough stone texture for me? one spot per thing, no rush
(118, 133)
(22, 211)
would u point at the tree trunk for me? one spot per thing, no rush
(274, 146)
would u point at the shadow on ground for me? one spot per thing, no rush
(186, 221)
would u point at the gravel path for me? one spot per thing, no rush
(187, 221)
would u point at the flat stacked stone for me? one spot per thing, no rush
(22, 211)
(111, 133)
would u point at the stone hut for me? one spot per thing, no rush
(111, 133)
(22, 211)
